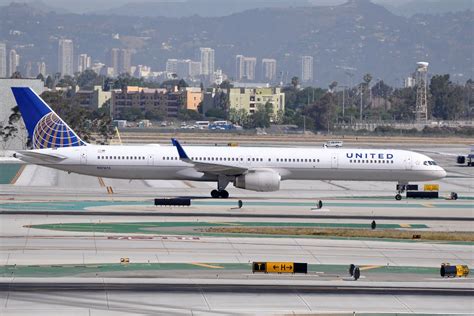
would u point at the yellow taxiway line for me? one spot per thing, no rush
(369, 267)
(206, 265)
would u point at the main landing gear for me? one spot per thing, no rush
(222, 182)
(219, 194)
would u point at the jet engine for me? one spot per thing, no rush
(259, 180)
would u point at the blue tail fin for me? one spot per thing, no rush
(45, 128)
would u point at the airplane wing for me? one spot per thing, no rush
(217, 169)
(28, 155)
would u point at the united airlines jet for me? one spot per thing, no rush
(57, 146)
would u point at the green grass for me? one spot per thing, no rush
(90, 270)
(8, 171)
(155, 227)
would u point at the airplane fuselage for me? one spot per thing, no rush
(162, 162)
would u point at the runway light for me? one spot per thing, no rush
(124, 260)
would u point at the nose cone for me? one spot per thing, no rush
(441, 173)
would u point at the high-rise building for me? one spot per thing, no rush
(84, 62)
(172, 66)
(306, 68)
(239, 67)
(41, 68)
(3, 60)
(14, 62)
(120, 60)
(245, 67)
(114, 60)
(195, 69)
(269, 69)
(250, 63)
(207, 61)
(184, 68)
(29, 70)
(66, 57)
(125, 61)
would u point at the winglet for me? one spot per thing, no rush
(182, 154)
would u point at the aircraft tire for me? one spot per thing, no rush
(224, 194)
(398, 197)
(215, 194)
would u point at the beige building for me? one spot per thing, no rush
(250, 99)
(193, 97)
(94, 98)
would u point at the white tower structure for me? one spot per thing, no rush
(421, 108)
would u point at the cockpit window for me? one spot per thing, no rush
(430, 163)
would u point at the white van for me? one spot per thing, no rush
(333, 143)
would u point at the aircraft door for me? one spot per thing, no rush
(247, 160)
(408, 163)
(334, 162)
(150, 160)
(83, 157)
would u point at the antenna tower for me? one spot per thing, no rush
(421, 109)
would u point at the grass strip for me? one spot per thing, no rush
(341, 232)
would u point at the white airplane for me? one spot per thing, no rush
(57, 146)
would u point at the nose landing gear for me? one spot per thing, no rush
(401, 188)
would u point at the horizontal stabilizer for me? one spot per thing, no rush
(49, 158)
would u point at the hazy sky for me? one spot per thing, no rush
(90, 6)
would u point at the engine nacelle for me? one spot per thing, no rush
(262, 181)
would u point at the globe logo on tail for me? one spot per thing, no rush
(52, 132)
